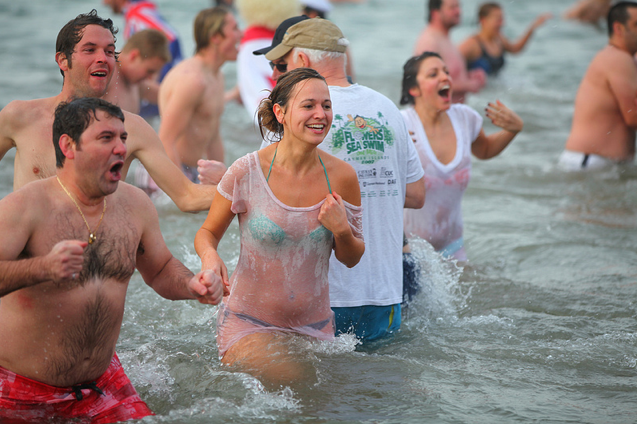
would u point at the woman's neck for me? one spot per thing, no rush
(296, 156)
(429, 116)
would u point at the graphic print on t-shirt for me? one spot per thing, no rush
(365, 141)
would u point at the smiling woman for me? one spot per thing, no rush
(291, 217)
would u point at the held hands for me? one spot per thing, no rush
(207, 287)
(333, 215)
(504, 117)
(66, 259)
(210, 171)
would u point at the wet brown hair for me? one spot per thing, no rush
(410, 71)
(281, 95)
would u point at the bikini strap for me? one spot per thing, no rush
(272, 163)
(326, 177)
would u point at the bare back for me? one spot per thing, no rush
(605, 118)
(191, 104)
(66, 333)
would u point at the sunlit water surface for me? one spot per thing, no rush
(540, 327)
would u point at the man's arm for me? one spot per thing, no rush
(17, 224)
(161, 270)
(7, 122)
(622, 79)
(144, 144)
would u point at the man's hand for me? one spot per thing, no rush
(66, 259)
(210, 171)
(208, 287)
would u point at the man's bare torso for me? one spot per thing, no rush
(27, 126)
(598, 124)
(433, 40)
(201, 133)
(62, 334)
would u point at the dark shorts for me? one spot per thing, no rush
(368, 322)
(23, 400)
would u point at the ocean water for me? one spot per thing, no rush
(539, 327)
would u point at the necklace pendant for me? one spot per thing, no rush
(91, 238)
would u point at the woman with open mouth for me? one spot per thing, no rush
(445, 135)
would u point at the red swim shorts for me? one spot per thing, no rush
(111, 398)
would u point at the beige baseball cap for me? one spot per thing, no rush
(316, 33)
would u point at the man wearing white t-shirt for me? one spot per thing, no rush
(369, 133)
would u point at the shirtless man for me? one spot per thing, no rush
(444, 15)
(191, 97)
(141, 58)
(70, 246)
(605, 116)
(85, 54)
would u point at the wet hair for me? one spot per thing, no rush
(410, 71)
(619, 13)
(72, 33)
(208, 23)
(281, 95)
(486, 8)
(433, 5)
(74, 117)
(151, 43)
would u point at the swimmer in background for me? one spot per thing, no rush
(445, 135)
(141, 58)
(605, 116)
(140, 15)
(191, 97)
(71, 243)
(295, 205)
(486, 49)
(444, 15)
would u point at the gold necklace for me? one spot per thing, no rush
(91, 234)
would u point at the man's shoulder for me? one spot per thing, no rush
(187, 75)
(129, 194)
(29, 109)
(608, 58)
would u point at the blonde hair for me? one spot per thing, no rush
(151, 43)
(267, 13)
(208, 23)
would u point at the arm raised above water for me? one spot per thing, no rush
(161, 270)
(144, 144)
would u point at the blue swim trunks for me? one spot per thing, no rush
(368, 322)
